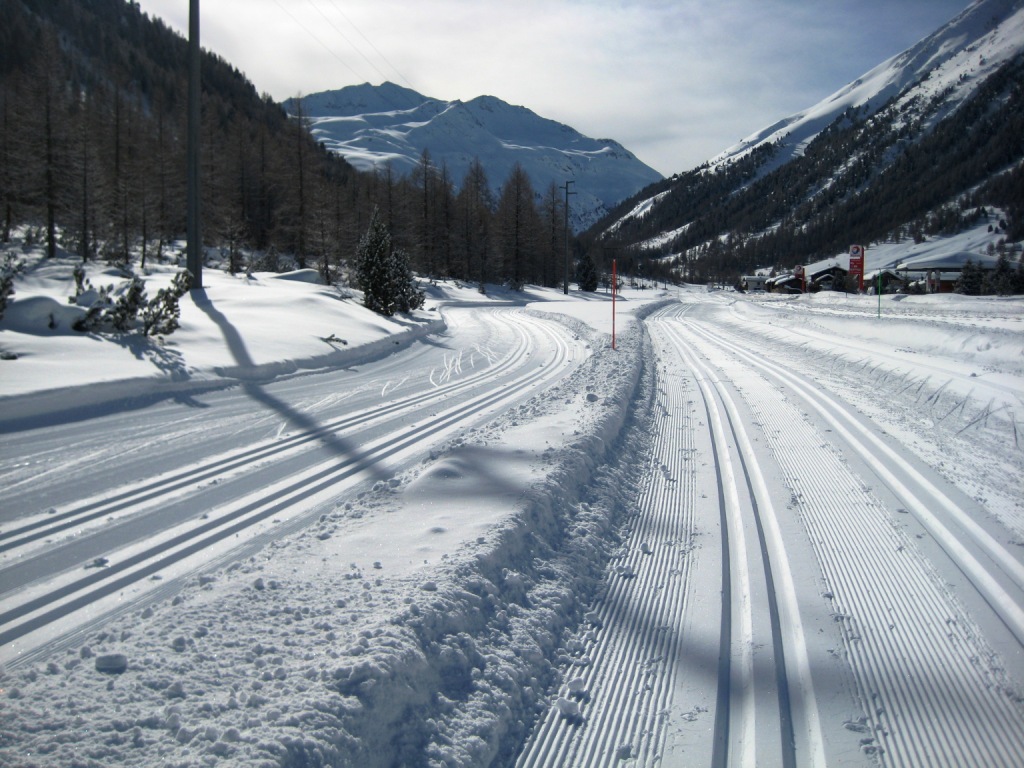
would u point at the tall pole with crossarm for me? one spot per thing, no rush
(565, 284)
(194, 245)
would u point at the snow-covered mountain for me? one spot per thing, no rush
(374, 125)
(920, 132)
(947, 65)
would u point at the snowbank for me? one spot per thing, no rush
(336, 645)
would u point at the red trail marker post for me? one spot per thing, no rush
(615, 288)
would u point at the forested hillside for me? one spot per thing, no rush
(910, 170)
(92, 160)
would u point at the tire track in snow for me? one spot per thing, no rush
(931, 690)
(33, 610)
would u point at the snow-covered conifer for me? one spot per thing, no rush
(127, 306)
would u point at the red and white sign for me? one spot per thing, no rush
(857, 264)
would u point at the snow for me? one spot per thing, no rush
(947, 65)
(478, 535)
(372, 126)
(955, 58)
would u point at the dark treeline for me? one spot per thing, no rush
(865, 178)
(92, 157)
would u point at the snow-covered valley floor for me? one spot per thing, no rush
(762, 530)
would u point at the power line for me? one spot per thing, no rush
(346, 39)
(321, 42)
(370, 43)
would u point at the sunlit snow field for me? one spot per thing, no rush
(457, 595)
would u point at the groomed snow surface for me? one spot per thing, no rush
(760, 531)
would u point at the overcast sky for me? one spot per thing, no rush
(675, 81)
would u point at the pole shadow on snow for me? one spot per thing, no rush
(301, 421)
(699, 659)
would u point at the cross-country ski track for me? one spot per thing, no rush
(159, 530)
(758, 472)
(758, 533)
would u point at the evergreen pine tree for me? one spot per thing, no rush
(474, 225)
(371, 265)
(126, 308)
(971, 280)
(519, 228)
(586, 274)
(405, 294)
(160, 316)
(1000, 280)
(383, 272)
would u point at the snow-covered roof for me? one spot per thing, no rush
(949, 261)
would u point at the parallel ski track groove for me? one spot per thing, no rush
(729, 748)
(925, 697)
(640, 622)
(817, 336)
(109, 580)
(634, 654)
(926, 496)
(93, 510)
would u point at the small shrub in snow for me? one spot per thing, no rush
(126, 307)
(112, 309)
(160, 317)
(121, 309)
(95, 317)
(82, 283)
(8, 270)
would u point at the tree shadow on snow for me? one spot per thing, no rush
(301, 421)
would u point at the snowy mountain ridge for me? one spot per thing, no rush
(372, 126)
(899, 152)
(948, 64)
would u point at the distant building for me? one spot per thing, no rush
(754, 282)
(827, 278)
(939, 274)
(891, 281)
(788, 283)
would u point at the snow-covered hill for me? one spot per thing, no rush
(374, 125)
(878, 156)
(947, 65)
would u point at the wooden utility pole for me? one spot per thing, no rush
(194, 245)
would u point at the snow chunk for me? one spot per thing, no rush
(112, 663)
(567, 708)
